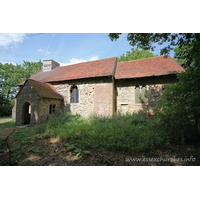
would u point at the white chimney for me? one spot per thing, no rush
(49, 65)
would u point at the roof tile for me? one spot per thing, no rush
(155, 66)
(44, 90)
(98, 68)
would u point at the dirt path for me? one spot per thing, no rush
(5, 120)
(5, 131)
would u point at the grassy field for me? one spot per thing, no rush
(73, 140)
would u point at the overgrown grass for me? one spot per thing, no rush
(7, 124)
(128, 133)
(124, 133)
(7, 117)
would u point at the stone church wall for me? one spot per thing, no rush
(39, 108)
(98, 95)
(95, 96)
(44, 107)
(125, 93)
(27, 94)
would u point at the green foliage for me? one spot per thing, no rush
(147, 40)
(135, 54)
(28, 140)
(8, 124)
(179, 110)
(180, 104)
(19, 155)
(5, 106)
(10, 75)
(34, 149)
(123, 133)
(183, 57)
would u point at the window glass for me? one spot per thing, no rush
(74, 94)
(137, 95)
(144, 95)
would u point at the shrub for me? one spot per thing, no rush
(125, 133)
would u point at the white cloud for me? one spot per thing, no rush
(7, 39)
(40, 50)
(94, 58)
(77, 60)
(73, 61)
(9, 63)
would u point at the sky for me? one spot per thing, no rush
(65, 48)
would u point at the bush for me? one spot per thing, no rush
(178, 112)
(125, 133)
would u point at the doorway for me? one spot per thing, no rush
(26, 113)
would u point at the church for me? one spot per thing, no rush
(103, 87)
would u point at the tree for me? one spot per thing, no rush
(10, 75)
(183, 57)
(31, 68)
(147, 40)
(135, 54)
(180, 104)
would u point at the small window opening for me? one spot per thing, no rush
(54, 107)
(50, 109)
(74, 94)
(140, 95)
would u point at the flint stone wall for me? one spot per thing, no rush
(27, 94)
(95, 96)
(125, 93)
(44, 106)
(39, 107)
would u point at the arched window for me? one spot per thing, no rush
(140, 95)
(50, 109)
(54, 107)
(74, 94)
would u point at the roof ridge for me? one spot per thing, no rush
(44, 84)
(144, 59)
(21, 88)
(88, 61)
(33, 86)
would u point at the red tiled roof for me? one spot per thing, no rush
(155, 66)
(98, 68)
(44, 90)
(22, 83)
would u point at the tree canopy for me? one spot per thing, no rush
(183, 56)
(147, 40)
(10, 75)
(135, 54)
(179, 109)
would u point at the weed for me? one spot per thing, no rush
(34, 149)
(120, 133)
(124, 133)
(7, 124)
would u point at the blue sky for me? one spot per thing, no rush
(65, 48)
